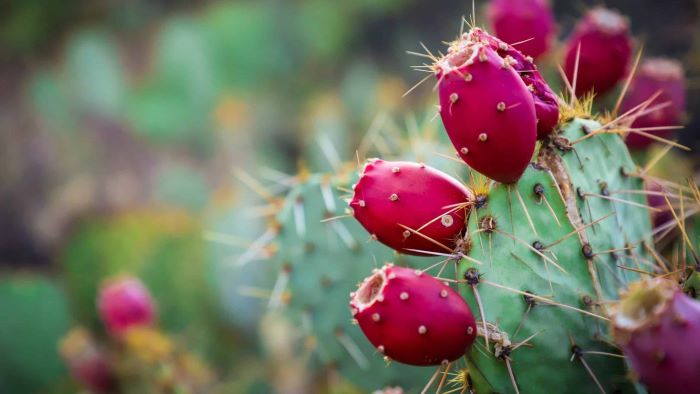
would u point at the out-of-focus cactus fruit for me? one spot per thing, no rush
(599, 51)
(664, 78)
(527, 23)
(658, 329)
(125, 303)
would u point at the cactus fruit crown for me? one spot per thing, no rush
(608, 21)
(662, 69)
(642, 304)
(369, 290)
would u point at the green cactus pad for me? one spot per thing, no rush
(585, 239)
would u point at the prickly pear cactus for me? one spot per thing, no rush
(548, 254)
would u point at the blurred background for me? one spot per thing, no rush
(126, 127)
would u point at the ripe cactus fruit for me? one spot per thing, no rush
(413, 318)
(546, 103)
(487, 109)
(605, 44)
(658, 329)
(124, 303)
(656, 75)
(530, 23)
(411, 207)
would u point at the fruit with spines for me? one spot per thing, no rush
(125, 303)
(546, 102)
(411, 207)
(527, 23)
(664, 76)
(605, 44)
(658, 328)
(487, 109)
(413, 318)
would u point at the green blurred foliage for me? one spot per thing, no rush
(94, 74)
(245, 43)
(175, 103)
(35, 316)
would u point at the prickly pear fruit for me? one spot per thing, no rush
(658, 329)
(487, 109)
(603, 37)
(125, 303)
(86, 361)
(546, 103)
(411, 207)
(656, 75)
(413, 318)
(530, 23)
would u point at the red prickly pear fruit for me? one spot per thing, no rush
(658, 329)
(656, 75)
(86, 361)
(606, 49)
(529, 23)
(393, 194)
(487, 109)
(125, 303)
(412, 317)
(546, 102)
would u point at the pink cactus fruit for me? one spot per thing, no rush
(487, 109)
(656, 75)
(412, 317)
(658, 329)
(529, 23)
(606, 49)
(86, 361)
(546, 102)
(125, 303)
(392, 197)
(655, 198)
